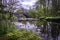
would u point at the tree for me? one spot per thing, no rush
(49, 10)
(4, 21)
(55, 7)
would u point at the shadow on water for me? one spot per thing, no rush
(52, 31)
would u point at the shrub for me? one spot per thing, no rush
(5, 28)
(23, 35)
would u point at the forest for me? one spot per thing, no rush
(46, 11)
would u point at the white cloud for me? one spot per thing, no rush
(27, 3)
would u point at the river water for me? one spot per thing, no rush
(28, 26)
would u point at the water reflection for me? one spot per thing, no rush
(33, 27)
(27, 26)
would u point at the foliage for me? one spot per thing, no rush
(40, 14)
(37, 13)
(23, 35)
(4, 16)
(5, 28)
(14, 18)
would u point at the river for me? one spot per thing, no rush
(33, 27)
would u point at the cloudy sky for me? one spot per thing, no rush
(27, 3)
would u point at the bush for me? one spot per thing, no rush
(8, 32)
(23, 35)
(5, 28)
